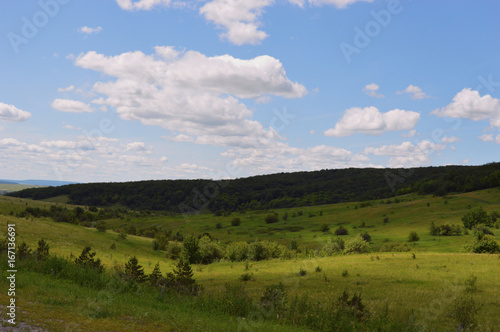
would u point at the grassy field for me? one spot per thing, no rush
(423, 286)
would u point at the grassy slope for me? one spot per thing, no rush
(433, 278)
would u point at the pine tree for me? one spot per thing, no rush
(155, 277)
(134, 270)
(86, 260)
(43, 250)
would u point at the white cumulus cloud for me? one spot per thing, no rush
(407, 154)
(12, 113)
(71, 106)
(468, 104)
(371, 121)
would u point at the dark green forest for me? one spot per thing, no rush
(275, 190)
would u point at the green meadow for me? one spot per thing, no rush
(420, 285)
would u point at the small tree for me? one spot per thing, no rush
(23, 251)
(155, 277)
(42, 251)
(86, 260)
(413, 237)
(236, 222)
(134, 271)
(101, 226)
(191, 250)
(366, 237)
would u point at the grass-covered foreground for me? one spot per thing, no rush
(422, 289)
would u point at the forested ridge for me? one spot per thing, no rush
(275, 190)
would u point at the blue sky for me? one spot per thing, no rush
(121, 90)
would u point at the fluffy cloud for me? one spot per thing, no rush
(66, 89)
(241, 18)
(407, 154)
(371, 121)
(88, 31)
(141, 4)
(371, 90)
(137, 146)
(71, 106)
(12, 113)
(415, 92)
(191, 94)
(15, 146)
(468, 104)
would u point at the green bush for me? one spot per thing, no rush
(271, 218)
(274, 298)
(487, 245)
(324, 228)
(42, 252)
(357, 246)
(236, 222)
(173, 250)
(237, 251)
(395, 247)
(413, 237)
(209, 250)
(246, 276)
(463, 312)
(474, 217)
(333, 246)
(366, 237)
(341, 231)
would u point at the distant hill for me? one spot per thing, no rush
(46, 183)
(276, 190)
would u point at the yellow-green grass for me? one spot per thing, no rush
(427, 284)
(411, 214)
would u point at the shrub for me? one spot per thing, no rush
(302, 272)
(341, 231)
(324, 228)
(294, 245)
(333, 246)
(366, 237)
(236, 251)
(395, 247)
(209, 250)
(345, 273)
(318, 269)
(487, 244)
(445, 230)
(218, 225)
(357, 246)
(272, 218)
(236, 222)
(246, 276)
(463, 312)
(274, 298)
(112, 246)
(173, 250)
(386, 220)
(474, 217)
(413, 237)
